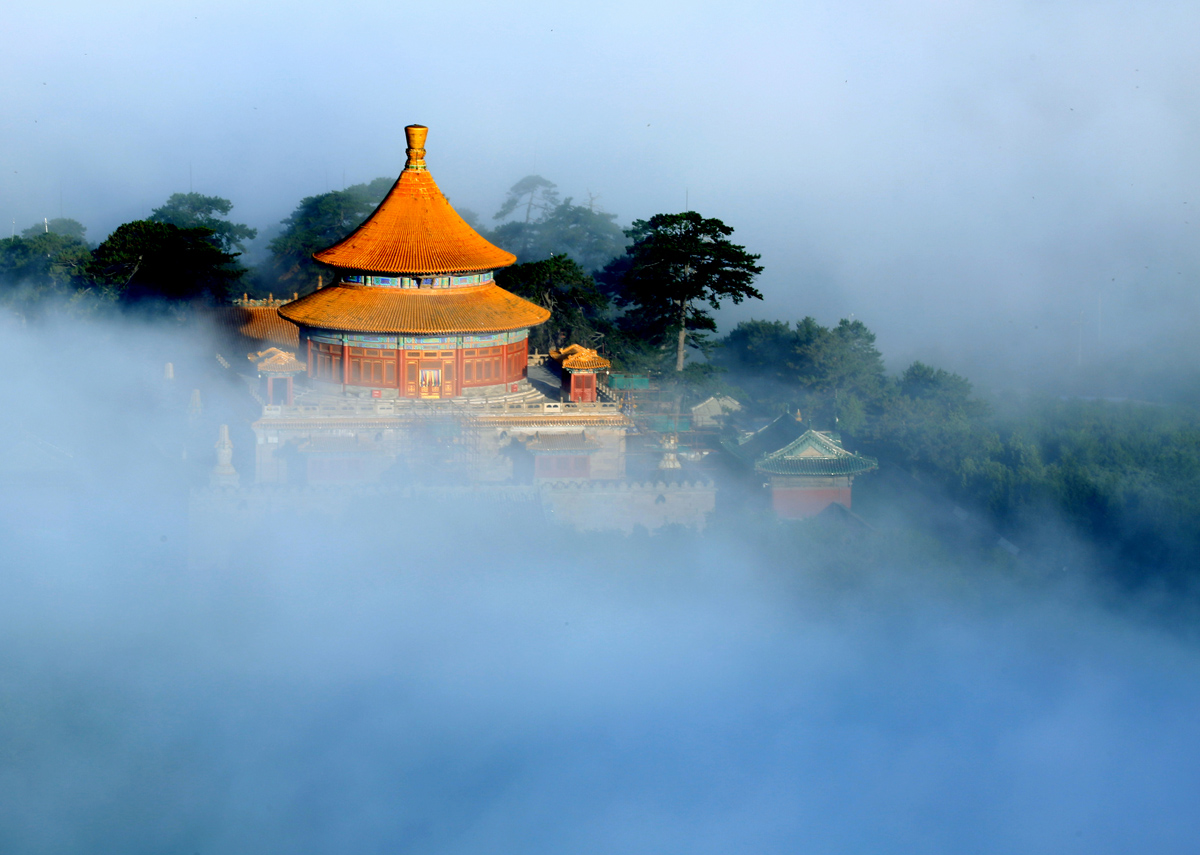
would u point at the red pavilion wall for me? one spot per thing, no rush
(799, 502)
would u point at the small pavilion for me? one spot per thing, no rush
(276, 364)
(807, 470)
(579, 366)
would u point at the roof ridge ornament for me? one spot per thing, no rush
(415, 135)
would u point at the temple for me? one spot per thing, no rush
(415, 311)
(411, 371)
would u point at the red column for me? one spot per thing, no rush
(289, 390)
(308, 341)
(345, 364)
(270, 390)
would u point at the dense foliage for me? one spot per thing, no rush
(152, 261)
(535, 225)
(317, 223)
(194, 211)
(185, 251)
(577, 308)
(63, 226)
(41, 266)
(1124, 475)
(677, 265)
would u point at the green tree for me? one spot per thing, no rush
(532, 193)
(949, 393)
(317, 223)
(760, 350)
(837, 362)
(931, 423)
(677, 265)
(530, 199)
(835, 376)
(152, 261)
(41, 267)
(195, 211)
(559, 284)
(64, 226)
(591, 238)
(536, 225)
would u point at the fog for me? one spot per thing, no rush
(431, 678)
(999, 188)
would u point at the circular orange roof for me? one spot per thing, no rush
(414, 311)
(414, 230)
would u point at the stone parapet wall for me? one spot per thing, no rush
(625, 506)
(225, 522)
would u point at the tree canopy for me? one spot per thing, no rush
(317, 223)
(537, 225)
(559, 284)
(532, 193)
(39, 267)
(64, 226)
(151, 261)
(835, 376)
(677, 265)
(195, 211)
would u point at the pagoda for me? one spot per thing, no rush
(414, 310)
(413, 315)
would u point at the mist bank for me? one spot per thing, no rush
(447, 678)
(654, 696)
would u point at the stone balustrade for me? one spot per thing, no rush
(344, 408)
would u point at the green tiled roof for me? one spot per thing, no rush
(851, 464)
(803, 452)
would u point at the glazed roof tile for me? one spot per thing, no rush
(414, 311)
(778, 434)
(276, 361)
(807, 452)
(578, 358)
(415, 230)
(259, 323)
(851, 464)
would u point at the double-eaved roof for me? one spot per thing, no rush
(786, 447)
(415, 232)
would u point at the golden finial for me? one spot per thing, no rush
(415, 134)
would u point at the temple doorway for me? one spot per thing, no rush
(431, 380)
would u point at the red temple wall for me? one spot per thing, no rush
(418, 373)
(794, 503)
